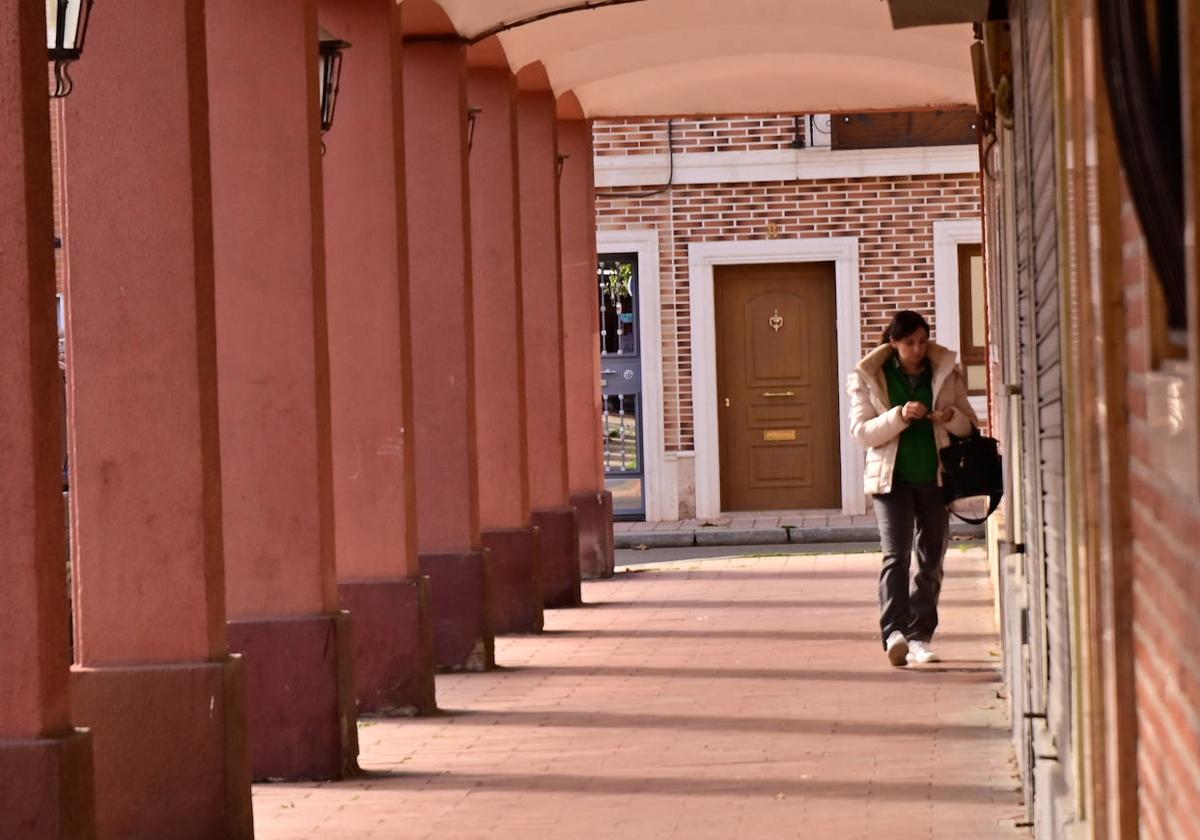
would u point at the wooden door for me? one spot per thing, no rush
(777, 386)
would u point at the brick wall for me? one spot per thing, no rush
(1166, 588)
(638, 136)
(892, 218)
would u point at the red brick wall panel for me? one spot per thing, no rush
(892, 218)
(1166, 585)
(638, 136)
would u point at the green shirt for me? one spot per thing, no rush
(916, 457)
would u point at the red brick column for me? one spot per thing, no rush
(45, 763)
(581, 347)
(154, 681)
(439, 281)
(541, 309)
(274, 386)
(371, 367)
(499, 348)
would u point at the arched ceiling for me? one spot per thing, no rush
(661, 57)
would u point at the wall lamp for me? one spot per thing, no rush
(329, 51)
(472, 115)
(66, 26)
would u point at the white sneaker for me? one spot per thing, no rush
(897, 648)
(920, 652)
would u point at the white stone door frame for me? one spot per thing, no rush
(948, 234)
(703, 257)
(644, 243)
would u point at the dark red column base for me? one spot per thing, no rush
(460, 590)
(47, 792)
(595, 534)
(608, 541)
(170, 748)
(300, 695)
(515, 574)
(393, 645)
(560, 557)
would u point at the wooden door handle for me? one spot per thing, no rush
(778, 394)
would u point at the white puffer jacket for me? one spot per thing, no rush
(876, 425)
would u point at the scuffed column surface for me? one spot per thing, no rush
(440, 288)
(145, 468)
(581, 322)
(369, 346)
(581, 348)
(499, 342)
(542, 313)
(33, 600)
(270, 293)
(541, 300)
(371, 369)
(164, 701)
(273, 357)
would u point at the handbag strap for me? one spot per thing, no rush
(993, 504)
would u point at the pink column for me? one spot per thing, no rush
(541, 309)
(370, 356)
(581, 344)
(45, 763)
(504, 512)
(439, 278)
(274, 386)
(154, 682)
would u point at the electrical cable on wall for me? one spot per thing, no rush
(670, 170)
(590, 5)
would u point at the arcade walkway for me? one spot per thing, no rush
(719, 698)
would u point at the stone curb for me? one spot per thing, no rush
(740, 536)
(654, 539)
(787, 535)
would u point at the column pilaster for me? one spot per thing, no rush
(581, 347)
(441, 326)
(370, 352)
(153, 677)
(542, 324)
(46, 792)
(503, 454)
(273, 365)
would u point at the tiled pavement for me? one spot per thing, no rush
(702, 699)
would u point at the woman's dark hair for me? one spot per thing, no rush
(904, 323)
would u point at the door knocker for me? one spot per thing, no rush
(776, 321)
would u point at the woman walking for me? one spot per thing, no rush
(906, 398)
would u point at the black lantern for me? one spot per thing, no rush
(472, 115)
(330, 68)
(66, 26)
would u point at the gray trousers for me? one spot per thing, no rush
(908, 508)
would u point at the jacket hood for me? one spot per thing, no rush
(942, 359)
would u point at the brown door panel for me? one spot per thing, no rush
(775, 466)
(776, 357)
(777, 386)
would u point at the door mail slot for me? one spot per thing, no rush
(779, 434)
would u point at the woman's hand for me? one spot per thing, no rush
(913, 410)
(942, 415)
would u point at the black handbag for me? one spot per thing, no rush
(971, 467)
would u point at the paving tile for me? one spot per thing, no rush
(732, 697)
